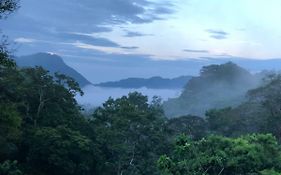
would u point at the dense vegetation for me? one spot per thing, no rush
(251, 154)
(43, 131)
(217, 86)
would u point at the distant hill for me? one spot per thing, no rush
(52, 63)
(152, 83)
(217, 86)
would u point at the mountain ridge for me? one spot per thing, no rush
(156, 82)
(52, 63)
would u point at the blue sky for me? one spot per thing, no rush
(89, 32)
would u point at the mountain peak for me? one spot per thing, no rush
(217, 86)
(53, 63)
(42, 58)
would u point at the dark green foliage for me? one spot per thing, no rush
(60, 151)
(244, 119)
(10, 123)
(48, 101)
(9, 168)
(269, 172)
(46, 133)
(5, 61)
(130, 133)
(40, 121)
(215, 155)
(41, 125)
(269, 98)
(193, 126)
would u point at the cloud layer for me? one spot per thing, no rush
(217, 34)
(70, 21)
(195, 51)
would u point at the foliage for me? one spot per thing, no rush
(9, 168)
(40, 103)
(10, 123)
(7, 7)
(269, 172)
(193, 126)
(259, 114)
(214, 155)
(129, 131)
(269, 97)
(41, 126)
(5, 61)
(60, 151)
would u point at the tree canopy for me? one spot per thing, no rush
(7, 7)
(251, 154)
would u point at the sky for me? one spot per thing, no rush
(117, 35)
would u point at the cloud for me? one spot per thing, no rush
(217, 34)
(52, 22)
(135, 34)
(130, 47)
(87, 39)
(195, 51)
(87, 15)
(24, 40)
(163, 10)
(224, 55)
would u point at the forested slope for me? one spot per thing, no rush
(217, 86)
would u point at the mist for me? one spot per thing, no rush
(95, 96)
(218, 86)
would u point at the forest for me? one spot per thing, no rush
(43, 130)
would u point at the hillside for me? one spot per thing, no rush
(217, 86)
(53, 63)
(152, 83)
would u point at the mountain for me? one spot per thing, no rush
(53, 63)
(114, 68)
(152, 83)
(217, 86)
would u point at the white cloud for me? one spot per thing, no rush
(24, 40)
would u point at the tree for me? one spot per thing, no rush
(48, 101)
(5, 61)
(251, 154)
(193, 126)
(130, 133)
(10, 123)
(7, 7)
(270, 172)
(61, 151)
(9, 168)
(268, 97)
(41, 126)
